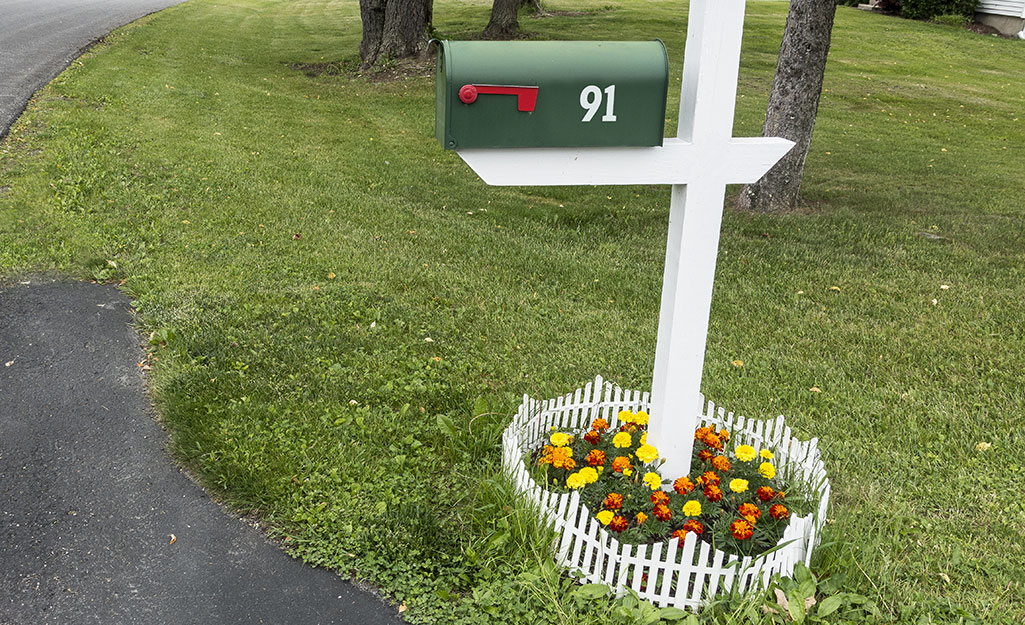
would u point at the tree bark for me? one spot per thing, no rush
(504, 23)
(793, 103)
(394, 28)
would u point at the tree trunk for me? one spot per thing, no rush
(504, 23)
(393, 28)
(793, 103)
(535, 6)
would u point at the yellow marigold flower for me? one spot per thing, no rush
(641, 518)
(647, 453)
(692, 508)
(575, 480)
(605, 516)
(561, 439)
(625, 416)
(628, 471)
(644, 438)
(622, 440)
(589, 475)
(767, 470)
(641, 418)
(738, 485)
(745, 453)
(653, 480)
(765, 453)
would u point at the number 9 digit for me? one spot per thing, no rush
(590, 99)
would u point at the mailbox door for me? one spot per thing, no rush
(551, 93)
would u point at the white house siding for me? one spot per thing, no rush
(1010, 8)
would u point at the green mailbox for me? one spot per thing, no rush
(512, 94)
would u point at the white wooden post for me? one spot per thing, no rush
(699, 163)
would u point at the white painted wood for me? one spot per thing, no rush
(739, 160)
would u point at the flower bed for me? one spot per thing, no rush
(668, 572)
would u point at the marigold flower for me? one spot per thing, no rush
(741, 529)
(680, 534)
(724, 435)
(709, 477)
(641, 518)
(692, 508)
(575, 480)
(721, 463)
(640, 418)
(705, 455)
(653, 480)
(662, 512)
(693, 525)
(767, 470)
(644, 438)
(647, 453)
(713, 493)
(589, 474)
(659, 497)
(749, 511)
(738, 485)
(604, 517)
(683, 485)
(593, 437)
(778, 511)
(622, 439)
(620, 464)
(625, 416)
(701, 433)
(619, 524)
(596, 457)
(745, 453)
(600, 425)
(713, 441)
(766, 454)
(561, 439)
(613, 501)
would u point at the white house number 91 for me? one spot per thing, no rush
(591, 98)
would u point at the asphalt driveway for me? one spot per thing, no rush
(39, 38)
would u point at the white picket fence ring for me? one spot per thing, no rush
(681, 575)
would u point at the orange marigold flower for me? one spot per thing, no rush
(713, 493)
(766, 493)
(713, 441)
(662, 512)
(779, 511)
(599, 424)
(659, 497)
(705, 455)
(701, 433)
(683, 485)
(593, 437)
(596, 458)
(619, 524)
(641, 518)
(620, 463)
(724, 434)
(710, 477)
(750, 512)
(693, 525)
(614, 501)
(741, 529)
(721, 463)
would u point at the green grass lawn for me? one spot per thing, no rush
(291, 242)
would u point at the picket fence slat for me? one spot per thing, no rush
(668, 574)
